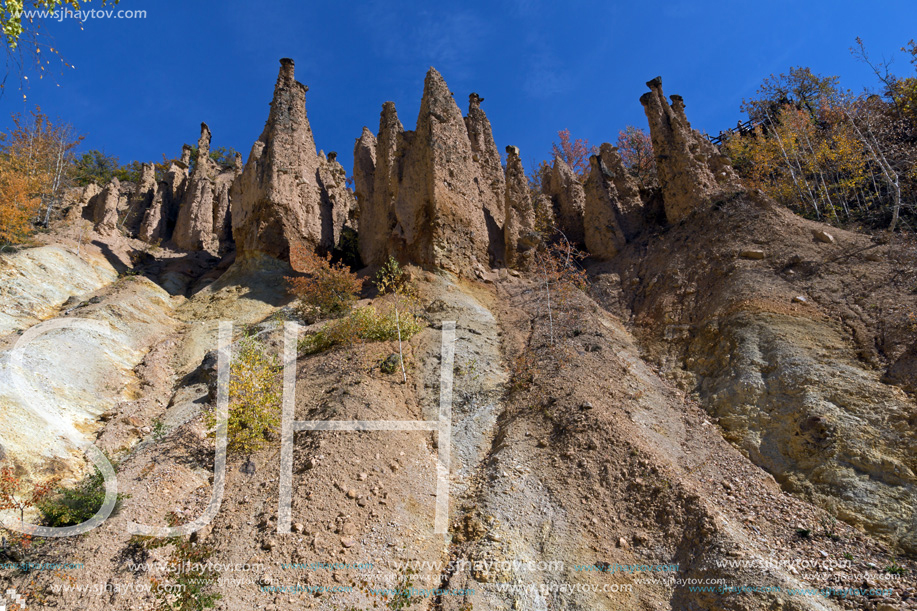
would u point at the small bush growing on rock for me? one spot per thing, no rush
(328, 289)
(71, 506)
(391, 278)
(362, 325)
(254, 397)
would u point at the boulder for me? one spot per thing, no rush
(692, 172)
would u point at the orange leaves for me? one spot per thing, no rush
(636, 150)
(328, 289)
(33, 159)
(816, 164)
(14, 494)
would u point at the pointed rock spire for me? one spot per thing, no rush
(519, 229)
(568, 197)
(377, 213)
(439, 208)
(194, 226)
(485, 154)
(364, 169)
(602, 227)
(692, 171)
(277, 201)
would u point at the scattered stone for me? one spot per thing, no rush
(752, 253)
(391, 364)
(800, 299)
(348, 542)
(823, 236)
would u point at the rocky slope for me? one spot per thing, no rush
(721, 420)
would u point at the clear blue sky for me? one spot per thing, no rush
(140, 88)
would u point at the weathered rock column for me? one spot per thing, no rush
(519, 230)
(692, 171)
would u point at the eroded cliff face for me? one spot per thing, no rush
(781, 350)
(636, 423)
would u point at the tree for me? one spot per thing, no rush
(35, 157)
(20, 30)
(327, 289)
(17, 495)
(95, 167)
(254, 397)
(224, 157)
(800, 86)
(574, 152)
(636, 150)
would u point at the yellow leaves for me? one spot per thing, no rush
(254, 397)
(801, 163)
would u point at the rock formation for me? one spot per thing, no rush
(78, 199)
(364, 169)
(277, 200)
(691, 169)
(487, 157)
(519, 229)
(338, 202)
(102, 209)
(377, 213)
(566, 193)
(436, 198)
(603, 236)
(140, 199)
(194, 226)
(160, 217)
(222, 218)
(631, 213)
(203, 221)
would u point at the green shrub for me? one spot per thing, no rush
(391, 278)
(363, 324)
(72, 506)
(254, 397)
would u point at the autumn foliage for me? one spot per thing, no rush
(327, 289)
(636, 150)
(829, 154)
(35, 157)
